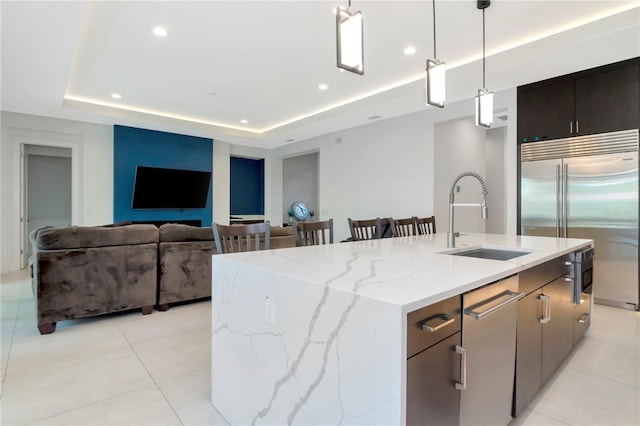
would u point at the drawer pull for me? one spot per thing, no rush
(433, 328)
(584, 318)
(568, 263)
(512, 297)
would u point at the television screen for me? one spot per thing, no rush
(158, 188)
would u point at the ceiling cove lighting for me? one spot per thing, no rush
(435, 78)
(350, 39)
(484, 100)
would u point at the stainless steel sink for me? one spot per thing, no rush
(490, 253)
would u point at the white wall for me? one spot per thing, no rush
(92, 173)
(387, 168)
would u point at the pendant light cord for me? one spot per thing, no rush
(435, 56)
(484, 85)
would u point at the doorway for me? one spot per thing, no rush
(300, 183)
(46, 175)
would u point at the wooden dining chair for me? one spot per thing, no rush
(426, 225)
(239, 238)
(314, 233)
(368, 229)
(403, 227)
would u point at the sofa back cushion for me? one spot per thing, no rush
(176, 232)
(71, 237)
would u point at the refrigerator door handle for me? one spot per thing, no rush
(558, 195)
(565, 196)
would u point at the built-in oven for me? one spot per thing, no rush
(583, 264)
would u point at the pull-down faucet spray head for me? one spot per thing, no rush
(484, 213)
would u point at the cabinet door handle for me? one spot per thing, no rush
(433, 328)
(462, 384)
(568, 263)
(568, 278)
(571, 127)
(577, 127)
(584, 318)
(546, 316)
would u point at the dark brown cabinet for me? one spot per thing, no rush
(600, 100)
(430, 385)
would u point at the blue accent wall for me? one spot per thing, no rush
(246, 186)
(134, 147)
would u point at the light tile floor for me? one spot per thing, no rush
(129, 369)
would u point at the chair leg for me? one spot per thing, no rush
(163, 308)
(146, 310)
(47, 327)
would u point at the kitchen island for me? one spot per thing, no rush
(317, 335)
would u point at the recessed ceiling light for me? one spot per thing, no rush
(243, 121)
(323, 86)
(160, 31)
(409, 50)
(116, 96)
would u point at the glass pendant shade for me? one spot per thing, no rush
(349, 36)
(436, 88)
(484, 108)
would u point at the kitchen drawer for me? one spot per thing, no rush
(431, 324)
(533, 278)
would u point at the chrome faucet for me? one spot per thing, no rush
(451, 236)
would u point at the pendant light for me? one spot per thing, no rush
(435, 77)
(484, 100)
(350, 39)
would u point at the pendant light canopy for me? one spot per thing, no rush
(484, 100)
(350, 39)
(435, 78)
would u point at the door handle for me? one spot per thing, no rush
(584, 318)
(571, 127)
(433, 328)
(462, 384)
(513, 296)
(558, 194)
(565, 195)
(546, 316)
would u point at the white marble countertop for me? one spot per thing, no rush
(407, 272)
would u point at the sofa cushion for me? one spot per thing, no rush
(176, 232)
(69, 237)
(280, 231)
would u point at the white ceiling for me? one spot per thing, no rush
(263, 60)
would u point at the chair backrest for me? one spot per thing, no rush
(314, 233)
(426, 225)
(238, 238)
(403, 227)
(365, 229)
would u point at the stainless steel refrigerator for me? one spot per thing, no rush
(587, 187)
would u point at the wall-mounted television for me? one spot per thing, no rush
(160, 188)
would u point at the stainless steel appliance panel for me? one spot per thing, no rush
(587, 187)
(602, 200)
(489, 338)
(540, 198)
